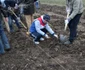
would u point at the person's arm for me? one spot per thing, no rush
(75, 9)
(3, 11)
(49, 29)
(38, 28)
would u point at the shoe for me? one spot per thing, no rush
(41, 39)
(8, 49)
(67, 43)
(36, 42)
(2, 54)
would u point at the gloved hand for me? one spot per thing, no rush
(9, 8)
(18, 18)
(16, 6)
(47, 36)
(67, 21)
(55, 35)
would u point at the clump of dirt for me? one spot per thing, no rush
(49, 54)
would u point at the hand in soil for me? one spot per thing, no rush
(46, 36)
(56, 36)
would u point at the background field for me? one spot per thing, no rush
(54, 2)
(50, 54)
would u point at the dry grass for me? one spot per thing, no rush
(56, 2)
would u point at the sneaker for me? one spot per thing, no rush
(67, 42)
(36, 42)
(41, 39)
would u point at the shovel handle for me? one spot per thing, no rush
(66, 23)
(20, 20)
(65, 26)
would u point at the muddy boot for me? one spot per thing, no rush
(67, 42)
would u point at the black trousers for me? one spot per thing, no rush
(73, 27)
(37, 36)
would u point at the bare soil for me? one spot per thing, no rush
(50, 54)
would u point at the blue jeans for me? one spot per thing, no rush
(1, 47)
(10, 21)
(4, 44)
(73, 27)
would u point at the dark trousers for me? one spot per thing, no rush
(37, 36)
(73, 27)
(4, 44)
(10, 21)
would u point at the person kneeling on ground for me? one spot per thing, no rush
(40, 27)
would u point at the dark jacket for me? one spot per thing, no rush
(11, 3)
(2, 12)
(29, 10)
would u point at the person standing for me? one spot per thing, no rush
(4, 44)
(28, 12)
(12, 8)
(75, 9)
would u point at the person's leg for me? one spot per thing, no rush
(10, 23)
(29, 19)
(1, 44)
(17, 22)
(1, 47)
(4, 37)
(5, 40)
(73, 27)
(36, 36)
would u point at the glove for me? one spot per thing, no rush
(16, 6)
(67, 21)
(18, 18)
(9, 8)
(47, 36)
(55, 35)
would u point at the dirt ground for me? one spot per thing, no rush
(50, 54)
